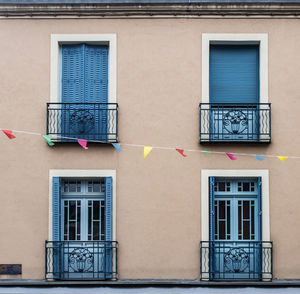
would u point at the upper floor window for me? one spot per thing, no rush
(83, 72)
(234, 107)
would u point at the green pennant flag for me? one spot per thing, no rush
(48, 139)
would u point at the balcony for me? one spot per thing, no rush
(236, 260)
(67, 122)
(81, 260)
(220, 123)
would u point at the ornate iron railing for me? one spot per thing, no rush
(238, 122)
(90, 121)
(81, 260)
(236, 260)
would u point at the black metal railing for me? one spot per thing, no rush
(238, 122)
(81, 260)
(67, 122)
(236, 260)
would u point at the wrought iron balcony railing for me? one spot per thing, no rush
(90, 121)
(236, 260)
(235, 122)
(81, 260)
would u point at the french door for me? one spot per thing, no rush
(235, 229)
(83, 229)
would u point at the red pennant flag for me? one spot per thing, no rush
(9, 134)
(181, 151)
(231, 156)
(82, 143)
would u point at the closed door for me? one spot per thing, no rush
(236, 231)
(83, 221)
(84, 80)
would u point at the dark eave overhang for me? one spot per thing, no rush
(125, 10)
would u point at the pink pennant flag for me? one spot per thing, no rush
(231, 156)
(9, 134)
(82, 143)
(181, 151)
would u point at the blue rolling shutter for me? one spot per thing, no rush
(56, 226)
(234, 74)
(108, 227)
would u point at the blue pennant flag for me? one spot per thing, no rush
(117, 146)
(260, 158)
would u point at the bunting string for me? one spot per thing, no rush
(148, 149)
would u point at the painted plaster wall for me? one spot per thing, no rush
(158, 91)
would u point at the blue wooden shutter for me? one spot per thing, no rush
(211, 208)
(56, 215)
(72, 73)
(259, 189)
(108, 227)
(56, 208)
(234, 74)
(108, 209)
(96, 86)
(96, 74)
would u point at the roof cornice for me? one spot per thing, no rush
(164, 10)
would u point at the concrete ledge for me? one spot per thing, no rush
(147, 283)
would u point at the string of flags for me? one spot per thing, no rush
(147, 149)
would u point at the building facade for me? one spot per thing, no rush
(199, 76)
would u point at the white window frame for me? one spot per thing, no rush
(96, 39)
(65, 173)
(205, 174)
(261, 39)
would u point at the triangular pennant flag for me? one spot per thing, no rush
(282, 158)
(117, 146)
(181, 151)
(9, 134)
(231, 156)
(82, 143)
(48, 139)
(258, 157)
(206, 152)
(147, 150)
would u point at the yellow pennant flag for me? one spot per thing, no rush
(147, 150)
(282, 158)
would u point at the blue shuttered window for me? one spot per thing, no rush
(211, 208)
(234, 74)
(84, 73)
(84, 79)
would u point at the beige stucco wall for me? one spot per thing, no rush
(158, 91)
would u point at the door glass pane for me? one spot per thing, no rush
(72, 216)
(96, 220)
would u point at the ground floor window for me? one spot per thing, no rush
(82, 245)
(235, 244)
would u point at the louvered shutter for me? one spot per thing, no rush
(259, 188)
(96, 86)
(56, 225)
(234, 74)
(72, 87)
(108, 227)
(211, 208)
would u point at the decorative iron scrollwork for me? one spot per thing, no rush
(236, 260)
(82, 121)
(235, 122)
(81, 260)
